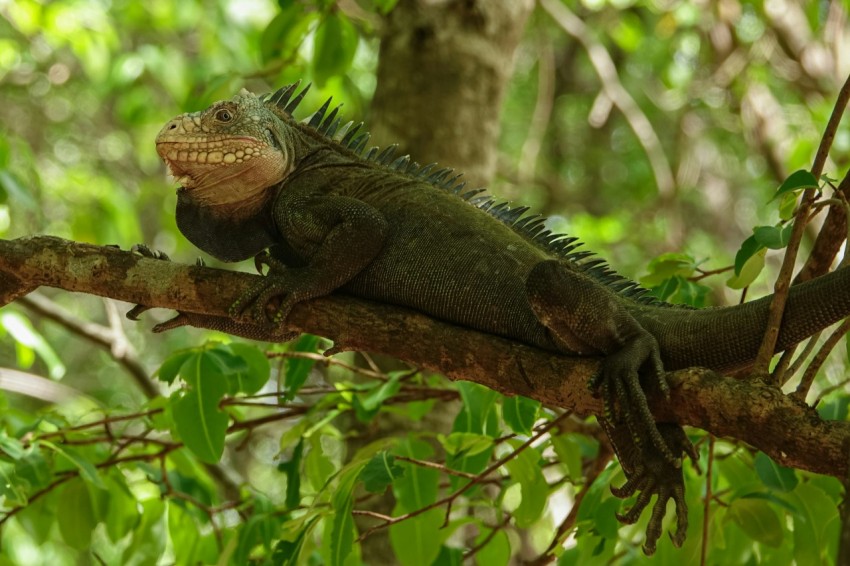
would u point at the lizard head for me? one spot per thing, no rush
(226, 155)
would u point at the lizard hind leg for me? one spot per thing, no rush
(586, 318)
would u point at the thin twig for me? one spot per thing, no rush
(599, 464)
(605, 69)
(493, 531)
(115, 343)
(811, 371)
(827, 390)
(542, 112)
(706, 514)
(435, 466)
(780, 294)
(449, 499)
(327, 361)
(801, 359)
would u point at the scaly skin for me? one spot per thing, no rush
(333, 220)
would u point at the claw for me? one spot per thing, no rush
(145, 251)
(260, 260)
(135, 312)
(632, 515)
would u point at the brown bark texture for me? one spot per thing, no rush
(443, 69)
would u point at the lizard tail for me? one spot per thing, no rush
(730, 337)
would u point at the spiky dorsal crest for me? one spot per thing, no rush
(532, 226)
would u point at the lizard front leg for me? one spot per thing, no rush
(263, 333)
(333, 238)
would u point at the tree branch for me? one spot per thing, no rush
(789, 431)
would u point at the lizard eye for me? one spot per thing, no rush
(224, 115)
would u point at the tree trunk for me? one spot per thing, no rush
(442, 74)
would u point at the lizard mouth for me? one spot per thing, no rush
(187, 160)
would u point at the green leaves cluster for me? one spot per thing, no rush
(749, 261)
(208, 374)
(674, 277)
(334, 38)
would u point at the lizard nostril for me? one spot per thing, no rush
(172, 126)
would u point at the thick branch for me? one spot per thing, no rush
(790, 432)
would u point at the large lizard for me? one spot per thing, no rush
(335, 217)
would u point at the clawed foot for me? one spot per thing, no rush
(650, 453)
(252, 306)
(145, 251)
(649, 473)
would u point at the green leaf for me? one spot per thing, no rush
(418, 486)
(148, 543)
(76, 515)
(569, 453)
(773, 237)
(416, 541)
(796, 181)
(692, 293)
(191, 545)
(367, 406)
(334, 47)
(318, 467)
(33, 468)
(342, 526)
(199, 422)
(449, 556)
(666, 289)
(816, 524)
(384, 6)
(122, 512)
(834, 408)
(477, 403)
(465, 443)
(248, 537)
(750, 268)
(226, 361)
(26, 335)
(298, 369)
(520, 413)
(13, 488)
(170, 368)
(525, 470)
(380, 472)
(285, 33)
(257, 368)
(668, 265)
(749, 248)
(292, 469)
(11, 446)
(787, 206)
(758, 519)
(774, 475)
(87, 470)
(465, 461)
(38, 518)
(605, 518)
(497, 552)
(286, 552)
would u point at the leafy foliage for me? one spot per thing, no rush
(244, 457)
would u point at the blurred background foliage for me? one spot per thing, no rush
(702, 110)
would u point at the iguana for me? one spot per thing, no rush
(336, 217)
